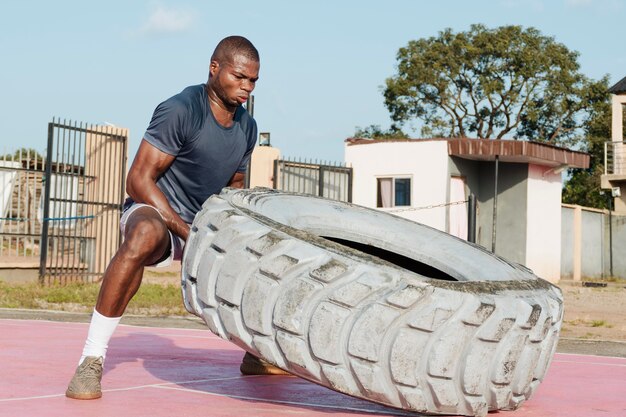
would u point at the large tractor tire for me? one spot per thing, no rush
(370, 304)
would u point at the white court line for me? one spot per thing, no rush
(298, 403)
(592, 356)
(171, 386)
(169, 328)
(207, 335)
(590, 363)
(136, 387)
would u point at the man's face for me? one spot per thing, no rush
(234, 81)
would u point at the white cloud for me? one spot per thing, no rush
(167, 20)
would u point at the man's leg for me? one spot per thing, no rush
(146, 241)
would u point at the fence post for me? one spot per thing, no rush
(610, 236)
(471, 218)
(350, 186)
(577, 255)
(320, 186)
(43, 259)
(495, 208)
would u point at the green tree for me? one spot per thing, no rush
(583, 185)
(375, 132)
(507, 82)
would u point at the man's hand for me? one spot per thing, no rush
(237, 180)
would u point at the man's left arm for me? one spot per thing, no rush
(237, 180)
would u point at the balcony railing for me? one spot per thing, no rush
(614, 158)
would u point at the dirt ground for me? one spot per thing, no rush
(594, 313)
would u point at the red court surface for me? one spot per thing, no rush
(181, 372)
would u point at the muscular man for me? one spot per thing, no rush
(198, 142)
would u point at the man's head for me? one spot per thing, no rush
(234, 70)
(234, 45)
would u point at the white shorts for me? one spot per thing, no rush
(177, 243)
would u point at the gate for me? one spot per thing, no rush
(324, 180)
(84, 193)
(21, 179)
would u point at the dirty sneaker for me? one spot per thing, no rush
(85, 385)
(251, 365)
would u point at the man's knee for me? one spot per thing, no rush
(146, 236)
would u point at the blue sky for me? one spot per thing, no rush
(322, 62)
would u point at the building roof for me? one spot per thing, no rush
(518, 151)
(619, 88)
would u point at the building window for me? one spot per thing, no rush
(393, 192)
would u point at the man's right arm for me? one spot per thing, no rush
(141, 186)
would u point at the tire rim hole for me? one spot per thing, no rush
(396, 259)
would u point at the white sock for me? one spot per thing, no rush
(100, 331)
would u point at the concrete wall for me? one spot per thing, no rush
(511, 224)
(619, 243)
(568, 250)
(586, 243)
(425, 162)
(262, 166)
(543, 227)
(19, 275)
(468, 170)
(592, 244)
(107, 169)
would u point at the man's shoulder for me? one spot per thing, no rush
(188, 97)
(191, 95)
(193, 91)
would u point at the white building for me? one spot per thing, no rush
(428, 181)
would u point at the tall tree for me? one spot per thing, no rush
(507, 82)
(583, 185)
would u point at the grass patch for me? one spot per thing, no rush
(151, 299)
(614, 280)
(156, 273)
(600, 323)
(587, 323)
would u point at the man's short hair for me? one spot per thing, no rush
(232, 46)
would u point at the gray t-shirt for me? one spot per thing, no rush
(207, 154)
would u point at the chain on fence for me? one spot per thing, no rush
(432, 206)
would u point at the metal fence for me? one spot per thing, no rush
(333, 181)
(615, 157)
(63, 210)
(21, 182)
